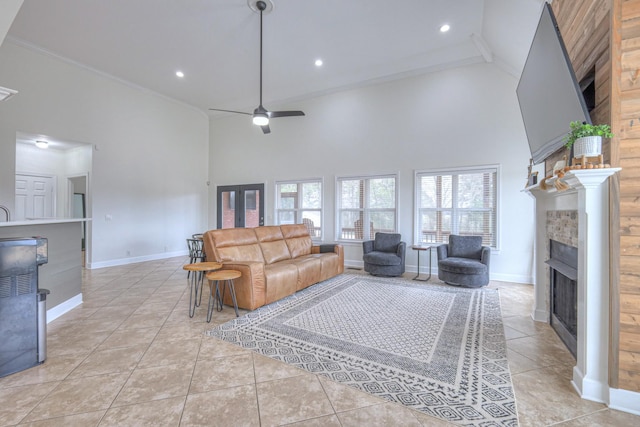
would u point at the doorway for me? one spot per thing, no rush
(240, 206)
(77, 194)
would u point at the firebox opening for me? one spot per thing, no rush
(563, 263)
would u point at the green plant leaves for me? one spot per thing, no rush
(580, 130)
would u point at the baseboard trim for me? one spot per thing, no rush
(64, 307)
(624, 400)
(134, 260)
(424, 269)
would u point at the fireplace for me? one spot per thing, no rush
(587, 195)
(563, 276)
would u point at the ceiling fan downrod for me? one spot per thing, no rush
(260, 117)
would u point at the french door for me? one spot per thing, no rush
(241, 206)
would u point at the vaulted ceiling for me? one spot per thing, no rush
(215, 43)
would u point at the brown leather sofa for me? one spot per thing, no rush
(275, 261)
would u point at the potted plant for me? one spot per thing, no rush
(587, 138)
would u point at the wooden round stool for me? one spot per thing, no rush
(227, 277)
(198, 269)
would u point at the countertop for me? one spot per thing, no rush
(42, 221)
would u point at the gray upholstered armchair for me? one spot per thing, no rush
(464, 262)
(384, 256)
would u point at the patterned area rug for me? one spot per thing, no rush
(434, 348)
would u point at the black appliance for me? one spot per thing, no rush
(23, 315)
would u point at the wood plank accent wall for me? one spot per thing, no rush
(606, 35)
(585, 28)
(628, 154)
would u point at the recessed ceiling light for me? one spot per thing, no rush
(318, 62)
(445, 28)
(179, 74)
(42, 144)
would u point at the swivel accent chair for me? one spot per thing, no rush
(464, 262)
(384, 256)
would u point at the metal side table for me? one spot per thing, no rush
(197, 278)
(421, 248)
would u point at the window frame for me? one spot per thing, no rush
(492, 168)
(297, 210)
(366, 211)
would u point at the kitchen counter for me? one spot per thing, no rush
(62, 275)
(40, 221)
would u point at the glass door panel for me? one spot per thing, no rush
(252, 217)
(240, 206)
(228, 211)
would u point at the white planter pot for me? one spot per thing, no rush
(589, 146)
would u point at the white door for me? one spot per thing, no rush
(35, 196)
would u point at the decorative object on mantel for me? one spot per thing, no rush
(565, 179)
(532, 177)
(586, 140)
(558, 169)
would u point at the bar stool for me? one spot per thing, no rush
(227, 277)
(196, 251)
(199, 269)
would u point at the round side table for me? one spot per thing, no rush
(226, 276)
(197, 278)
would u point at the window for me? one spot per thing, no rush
(366, 206)
(462, 202)
(300, 202)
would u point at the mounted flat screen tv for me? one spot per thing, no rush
(548, 92)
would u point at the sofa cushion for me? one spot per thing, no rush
(281, 280)
(309, 270)
(462, 266)
(382, 258)
(232, 244)
(465, 246)
(386, 242)
(274, 248)
(297, 238)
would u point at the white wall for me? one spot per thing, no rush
(149, 152)
(461, 117)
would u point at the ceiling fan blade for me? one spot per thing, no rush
(230, 111)
(265, 129)
(274, 114)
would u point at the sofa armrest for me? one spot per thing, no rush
(323, 249)
(402, 249)
(443, 251)
(485, 257)
(251, 286)
(367, 246)
(328, 248)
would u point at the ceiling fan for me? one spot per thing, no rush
(261, 115)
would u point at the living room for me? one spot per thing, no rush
(157, 161)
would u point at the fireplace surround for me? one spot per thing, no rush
(588, 198)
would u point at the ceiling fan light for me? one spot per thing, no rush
(260, 119)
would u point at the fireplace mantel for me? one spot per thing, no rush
(588, 194)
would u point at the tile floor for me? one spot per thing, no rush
(131, 356)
